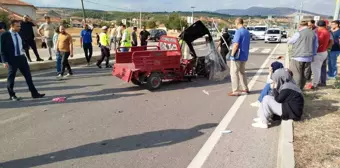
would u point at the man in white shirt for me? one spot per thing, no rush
(46, 30)
(13, 57)
(119, 34)
(113, 37)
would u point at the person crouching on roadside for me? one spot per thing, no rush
(268, 87)
(287, 102)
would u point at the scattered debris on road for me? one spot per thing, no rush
(226, 132)
(279, 58)
(205, 92)
(59, 99)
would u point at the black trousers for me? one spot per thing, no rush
(144, 43)
(135, 44)
(64, 63)
(20, 62)
(27, 43)
(224, 53)
(105, 54)
(323, 78)
(88, 49)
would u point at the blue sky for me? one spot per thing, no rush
(317, 6)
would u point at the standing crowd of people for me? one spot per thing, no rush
(282, 97)
(16, 42)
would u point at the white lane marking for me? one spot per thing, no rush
(14, 118)
(253, 50)
(209, 145)
(266, 51)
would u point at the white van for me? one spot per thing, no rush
(273, 35)
(259, 32)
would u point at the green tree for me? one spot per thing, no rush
(119, 22)
(151, 24)
(66, 23)
(101, 24)
(4, 18)
(175, 22)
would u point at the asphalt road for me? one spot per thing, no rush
(107, 123)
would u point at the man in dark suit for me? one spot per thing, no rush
(14, 58)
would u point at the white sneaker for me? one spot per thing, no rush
(67, 76)
(257, 120)
(256, 104)
(260, 125)
(59, 77)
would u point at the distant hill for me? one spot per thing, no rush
(262, 11)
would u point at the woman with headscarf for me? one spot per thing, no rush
(287, 102)
(267, 88)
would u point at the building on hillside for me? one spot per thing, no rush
(18, 8)
(12, 15)
(55, 21)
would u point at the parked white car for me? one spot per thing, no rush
(273, 35)
(259, 32)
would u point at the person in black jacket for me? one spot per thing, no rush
(13, 58)
(225, 42)
(287, 102)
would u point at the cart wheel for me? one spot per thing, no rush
(189, 79)
(154, 81)
(136, 82)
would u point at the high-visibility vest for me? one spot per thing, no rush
(127, 41)
(181, 42)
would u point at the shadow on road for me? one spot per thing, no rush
(101, 95)
(128, 143)
(56, 88)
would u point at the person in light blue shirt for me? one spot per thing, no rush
(239, 57)
(58, 56)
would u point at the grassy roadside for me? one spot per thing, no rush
(317, 136)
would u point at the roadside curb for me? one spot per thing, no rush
(286, 148)
(285, 157)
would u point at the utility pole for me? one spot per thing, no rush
(82, 4)
(140, 19)
(301, 7)
(192, 14)
(337, 10)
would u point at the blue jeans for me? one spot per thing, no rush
(58, 58)
(332, 64)
(124, 49)
(266, 90)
